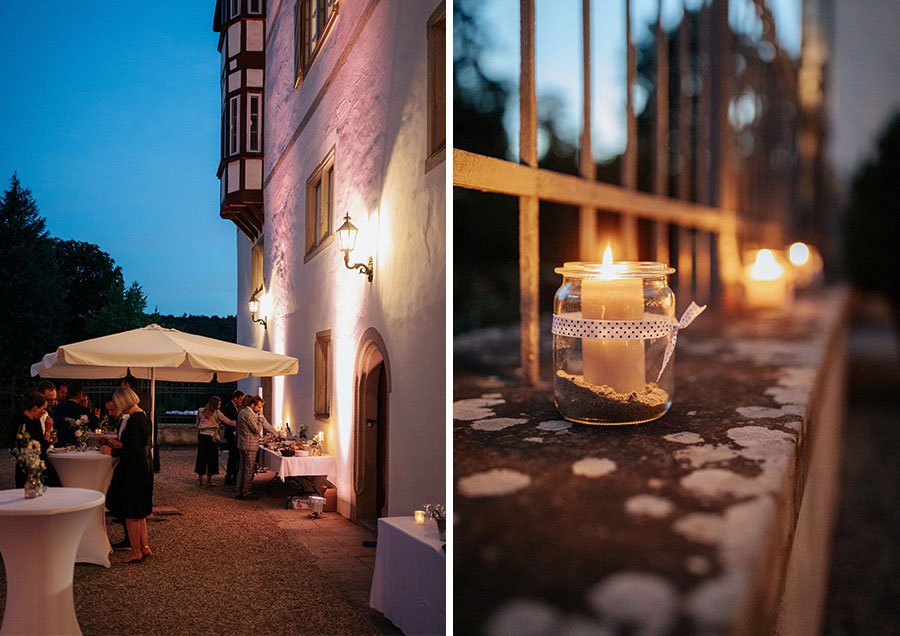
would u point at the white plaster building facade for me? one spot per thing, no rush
(352, 123)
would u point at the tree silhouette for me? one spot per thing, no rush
(30, 321)
(872, 222)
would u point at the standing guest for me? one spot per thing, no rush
(48, 390)
(144, 403)
(112, 423)
(208, 419)
(250, 424)
(130, 493)
(71, 409)
(28, 420)
(230, 410)
(62, 392)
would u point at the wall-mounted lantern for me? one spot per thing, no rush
(255, 299)
(347, 241)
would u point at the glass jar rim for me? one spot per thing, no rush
(631, 269)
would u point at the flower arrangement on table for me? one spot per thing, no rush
(81, 430)
(27, 452)
(317, 444)
(439, 514)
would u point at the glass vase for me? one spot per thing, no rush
(33, 486)
(612, 325)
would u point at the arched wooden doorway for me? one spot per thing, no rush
(372, 387)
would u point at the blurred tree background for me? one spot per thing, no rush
(872, 221)
(57, 291)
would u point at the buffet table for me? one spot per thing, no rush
(285, 467)
(408, 584)
(38, 540)
(93, 470)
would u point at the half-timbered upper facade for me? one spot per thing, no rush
(241, 25)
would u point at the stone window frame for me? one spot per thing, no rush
(322, 376)
(436, 35)
(306, 52)
(320, 207)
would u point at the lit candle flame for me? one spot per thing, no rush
(765, 267)
(607, 267)
(607, 257)
(799, 254)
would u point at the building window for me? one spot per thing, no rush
(320, 205)
(235, 8)
(313, 22)
(322, 398)
(254, 122)
(257, 280)
(234, 118)
(255, 7)
(437, 95)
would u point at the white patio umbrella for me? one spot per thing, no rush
(156, 353)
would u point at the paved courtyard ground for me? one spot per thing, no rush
(224, 566)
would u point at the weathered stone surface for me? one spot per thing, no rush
(695, 510)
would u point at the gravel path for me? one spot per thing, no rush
(222, 567)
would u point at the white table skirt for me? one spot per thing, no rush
(297, 466)
(408, 584)
(38, 540)
(93, 470)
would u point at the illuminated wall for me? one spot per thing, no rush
(366, 97)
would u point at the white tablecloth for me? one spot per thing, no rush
(297, 466)
(408, 585)
(88, 469)
(38, 541)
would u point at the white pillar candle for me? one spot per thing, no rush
(615, 363)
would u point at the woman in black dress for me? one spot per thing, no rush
(130, 493)
(29, 421)
(208, 420)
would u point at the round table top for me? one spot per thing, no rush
(54, 501)
(76, 455)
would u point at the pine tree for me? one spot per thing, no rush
(29, 284)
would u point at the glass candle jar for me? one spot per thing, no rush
(612, 324)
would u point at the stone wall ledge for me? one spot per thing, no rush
(715, 519)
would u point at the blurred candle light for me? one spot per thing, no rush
(806, 263)
(799, 254)
(766, 285)
(420, 516)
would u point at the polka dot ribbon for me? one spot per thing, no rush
(566, 325)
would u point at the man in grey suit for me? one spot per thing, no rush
(250, 424)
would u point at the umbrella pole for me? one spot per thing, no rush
(153, 449)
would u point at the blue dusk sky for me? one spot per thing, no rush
(111, 118)
(558, 57)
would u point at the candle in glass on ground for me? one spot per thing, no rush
(765, 283)
(615, 363)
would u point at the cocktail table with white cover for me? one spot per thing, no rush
(297, 466)
(408, 584)
(38, 540)
(88, 469)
